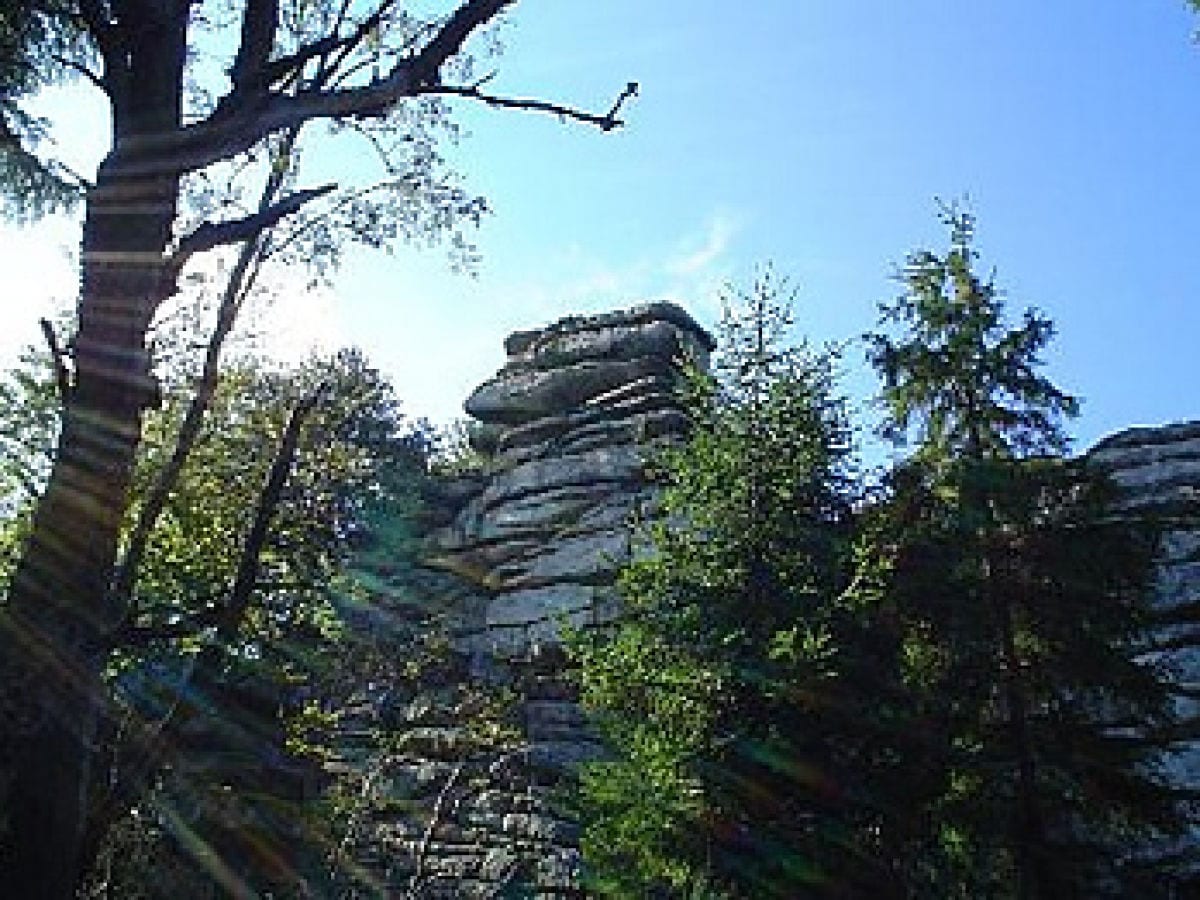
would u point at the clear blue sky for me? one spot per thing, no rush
(815, 134)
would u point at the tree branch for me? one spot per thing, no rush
(80, 69)
(605, 121)
(260, 20)
(246, 579)
(235, 127)
(453, 34)
(150, 745)
(241, 281)
(288, 65)
(217, 234)
(61, 376)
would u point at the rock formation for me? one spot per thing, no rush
(566, 422)
(532, 541)
(1159, 472)
(527, 544)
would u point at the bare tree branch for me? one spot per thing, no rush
(61, 376)
(234, 128)
(287, 66)
(241, 280)
(605, 121)
(81, 69)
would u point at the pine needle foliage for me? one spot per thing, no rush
(1022, 599)
(737, 766)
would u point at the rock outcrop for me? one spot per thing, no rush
(1158, 470)
(527, 544)
(532, 542)
(566, 423)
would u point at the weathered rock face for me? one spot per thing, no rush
(1159, 470)
(568, 419)
(518, 549)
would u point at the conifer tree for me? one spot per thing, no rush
(730, 690)
(1022, 598)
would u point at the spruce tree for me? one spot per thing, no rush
(729, 690)
(1022, 599)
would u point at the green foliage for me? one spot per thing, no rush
(940, 689)
(38, 39)
(1022, 602)
(353, 452)
(237, 806)
(29, 407)
(725, 689)
(958, 375)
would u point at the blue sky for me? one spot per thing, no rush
(814, 135)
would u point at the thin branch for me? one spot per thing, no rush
(341, 201)
(150, 746)
(217, 234)
(435, 820)
(453, 34)
(289, 65)
(241, 281)
(605, 121)
(234, 128)
(61, 376)
(81, 69)
(246, 578)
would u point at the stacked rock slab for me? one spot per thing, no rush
(567, 422)
(1158, 470)
(531, 542)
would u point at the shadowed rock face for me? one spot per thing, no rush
(568, 419)
(1159, 472)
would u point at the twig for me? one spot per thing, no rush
(605, 121)
(435, 819)
(246, 578)
(241, 280)
(81, 69)
(61, 376)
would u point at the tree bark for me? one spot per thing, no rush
(60, 617)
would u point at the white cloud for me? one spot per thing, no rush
(579, 282)
(703, 254)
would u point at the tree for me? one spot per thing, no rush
(232, 754)
(293, 64)
(735, 690)
(1024, 599)
(38, 42)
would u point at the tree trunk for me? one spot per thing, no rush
(60, 617)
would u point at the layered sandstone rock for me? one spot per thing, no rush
(1159, 472)
(531, 542)
(567, 421)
